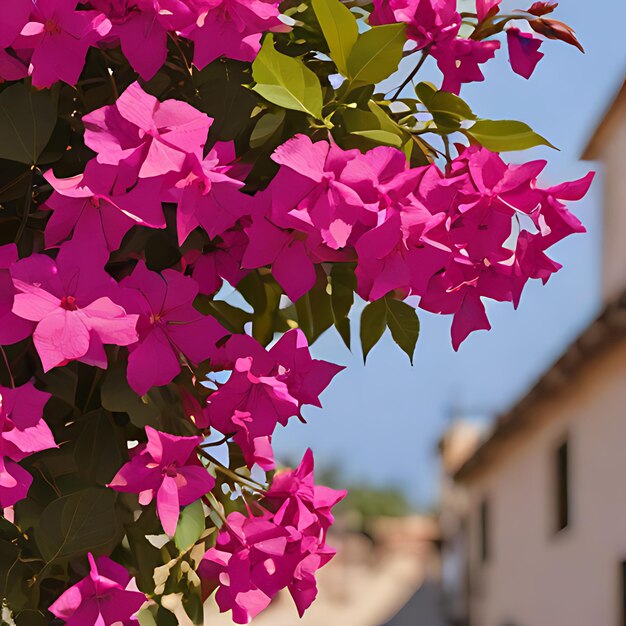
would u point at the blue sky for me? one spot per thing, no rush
(381, 422)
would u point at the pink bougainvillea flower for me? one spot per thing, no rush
(255, 557)
(11, 68)
(523, 51)
(146, 137)
(59, 36)
(265, 389)
(23, 432)
(251, 406)
(309, 194)
(89, 204)
(500, 223)
(219, 260)
(306, 378)
(460, 59)
(12, 327)
(285, 251)
(68, 299)
(428, 21)
(141, 26)
(105, 597)
(232, 28)
(23, 429)
(14, 18)
(169, 326)
(166, 467)
(297, 501)
(486, 9)
(207, 196)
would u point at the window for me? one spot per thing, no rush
(562, 487)
(484, 531)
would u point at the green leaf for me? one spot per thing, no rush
(404, 325)
(380, 136)
(97, 452)
(447, 109)
(340, 30)
(222, 95)
(286, 81)
(118, 397)
(190, 525)
(145, 618)
(373, 324)
(376, 54)
(506, 135)
(343, 285)
(268, 124)
(27, 119)
(314, 310)
(77, 523)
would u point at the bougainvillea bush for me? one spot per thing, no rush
(191, 193)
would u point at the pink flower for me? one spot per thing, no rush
(297, 501)
(11, 68)
(232, 28)
(145, 137)
(106, 596)
(14, 17)
(486, 9)
(255, 557)
(89, 205)
(285, 251)
(459, 61)
(166, 467)
(265, 389)
(220, 259)
(59, 37)
(309, 193)
(12, 327)
(23, 429)
(490, 256)
(428, 21)
(142, 26)
(67, 298)
(168, 326)
(523, 51)
(23, 432)
(207, 196)
(251, 405)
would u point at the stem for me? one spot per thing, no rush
(26, 211)
(411, 76)
(8, 367)
(174, 38)
(213, 444)
(242, 480)
(211, 500)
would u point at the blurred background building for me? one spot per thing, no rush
(533, 518)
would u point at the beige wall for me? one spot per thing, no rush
(534, 576)
(610, 152)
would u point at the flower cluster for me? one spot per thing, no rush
(49, 39)
(282, 548)
(434, 26)
(119, 268)
(479, 229)
(265, 388)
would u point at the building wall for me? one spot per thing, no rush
(534, 576)
(610, 152)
